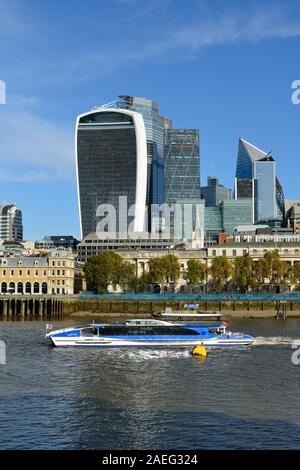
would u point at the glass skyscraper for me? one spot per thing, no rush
(182, 165)
(256, 179)
(215, 192)
(111, 154)
(155, 125)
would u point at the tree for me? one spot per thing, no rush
(295, 275)
(277, 270)
(157, 271)
(103, 270)
(195, 272)
(260, 273)
(164, 269)
(221, 271)
(243, 275)
(126, 277)
(143, 282)
(172, 268)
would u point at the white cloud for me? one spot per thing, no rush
(33, 148)
(236, 28)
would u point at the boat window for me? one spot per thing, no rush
(146, 331)
(88, 331)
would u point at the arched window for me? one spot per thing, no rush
(28, 288)
(36, 288)
(12, 287)
(20, 288)
(3, 287)
(44, 288)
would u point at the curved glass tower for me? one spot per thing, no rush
(111, 157)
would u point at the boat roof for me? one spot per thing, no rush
(158, 323)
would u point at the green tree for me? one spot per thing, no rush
(157, 270)
(260, 273)
(277, 270)
(143, 282)
(172, 268)
(243, 277)
(195, 272)
(127, 277)
(221, 272)
(164, 269)
(296, 275)
(103, 270)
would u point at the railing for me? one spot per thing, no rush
(224, 296)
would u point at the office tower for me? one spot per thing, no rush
(155, 125)
(182, 165)
(227, 215)
(11, 227)
(236, 212)
(293, 215)
(215, 192)
(111, 155)
(256, 179)
(56, 241)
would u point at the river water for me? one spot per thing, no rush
(150, 399)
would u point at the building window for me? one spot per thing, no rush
(28, 273)
(214, 253)
(244, 252)
(58, 272)
(224, 252)
(4, 273)
(12, 272)
(20, 272)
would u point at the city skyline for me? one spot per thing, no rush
(199, 68)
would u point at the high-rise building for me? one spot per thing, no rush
(155, 125)
(293, 215)
(111, 155)
(182, 165)
(227, 216)
(11, 227)
(215, 192)
(256, 179)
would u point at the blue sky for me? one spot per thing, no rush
(225, 67)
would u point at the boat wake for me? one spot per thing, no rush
(155, 354)
(272, 340)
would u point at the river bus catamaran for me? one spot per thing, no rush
(146, 333)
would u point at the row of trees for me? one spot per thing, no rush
(242, 275)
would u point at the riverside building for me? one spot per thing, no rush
(56, 273)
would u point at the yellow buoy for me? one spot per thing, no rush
(199, 350)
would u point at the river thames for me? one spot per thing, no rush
(235, 398)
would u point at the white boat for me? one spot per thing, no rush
(146, 333)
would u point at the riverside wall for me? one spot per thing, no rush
(47, 308)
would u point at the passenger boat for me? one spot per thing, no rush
(147, 333)
(191, 311)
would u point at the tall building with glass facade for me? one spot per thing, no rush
(227, 216)
(256, 179)
(182, 165)
(215, 192)
(155, 125)
(11, 226)
(111, 155)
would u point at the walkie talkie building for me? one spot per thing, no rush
(111, 157)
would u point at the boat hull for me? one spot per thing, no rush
(119, 343)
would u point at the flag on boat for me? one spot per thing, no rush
(49, 326)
